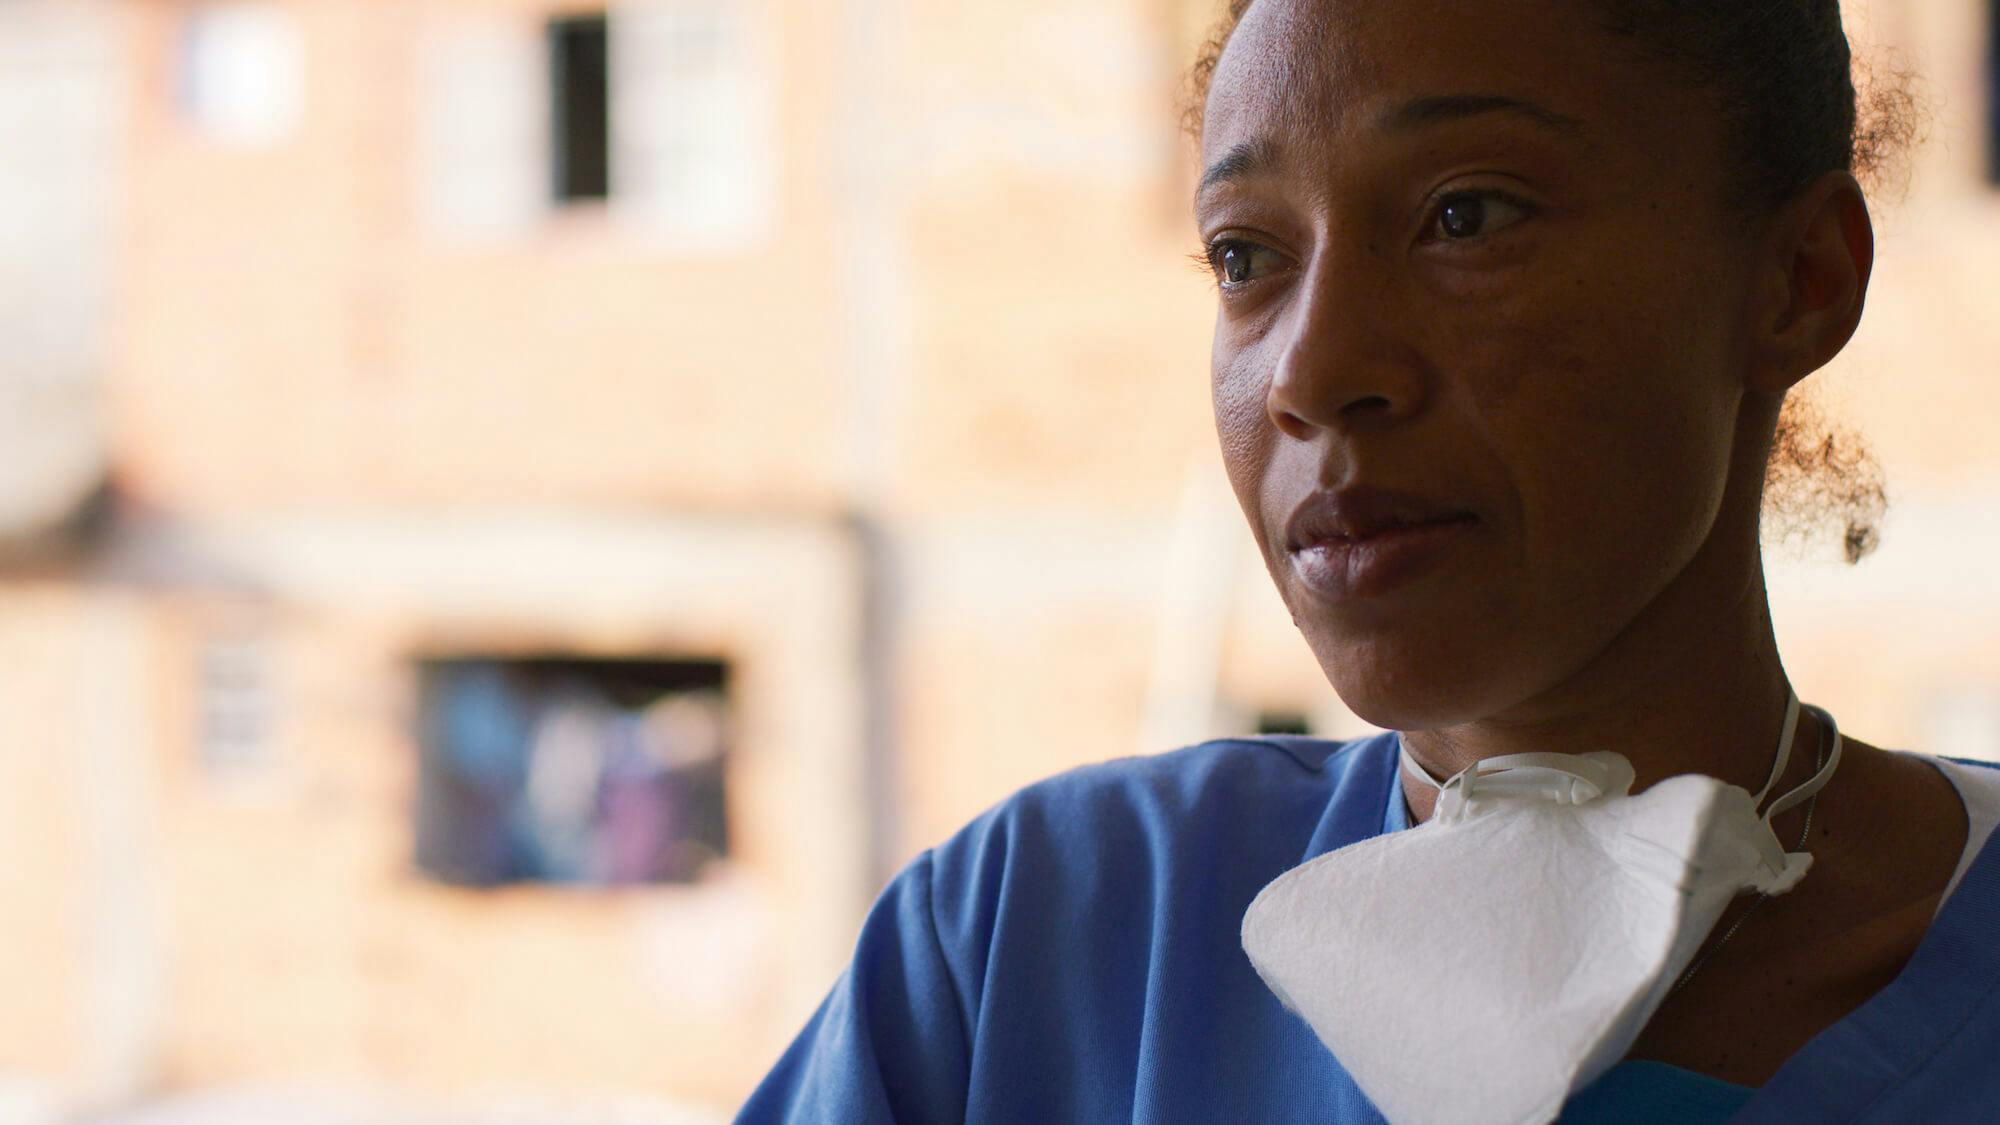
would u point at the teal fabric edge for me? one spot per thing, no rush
(1643, 1092)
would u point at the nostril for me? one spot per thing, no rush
(1307, 393)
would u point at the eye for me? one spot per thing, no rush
(1237, 262)
(1464, 215)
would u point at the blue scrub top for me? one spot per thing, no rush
(1073, 955)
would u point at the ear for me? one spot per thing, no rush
(1822, 251)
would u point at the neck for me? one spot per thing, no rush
(1670, 698)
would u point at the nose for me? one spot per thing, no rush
(1340, 365)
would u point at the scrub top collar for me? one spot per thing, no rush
(1366, 802)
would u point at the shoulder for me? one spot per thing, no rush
(1156, 793)
(1206, 775)
(1977, 783)
(1239, 808)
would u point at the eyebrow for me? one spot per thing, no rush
(1252, 157)
(1242, 160)
(1440, 108)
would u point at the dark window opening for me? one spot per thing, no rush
(1283, 722)
(579, 82)
(564, 770)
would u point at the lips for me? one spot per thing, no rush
(1356, 514)
(1359, 544)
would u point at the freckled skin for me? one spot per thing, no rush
(1597, 379)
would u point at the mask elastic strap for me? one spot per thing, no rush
(1817, 781)
(1784, 756)
(1414, 766)
(1566, 765)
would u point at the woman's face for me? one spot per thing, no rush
(1477, 277)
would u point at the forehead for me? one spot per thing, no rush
(1301, 70)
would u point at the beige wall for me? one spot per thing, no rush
(295, 333)
(374, 972)
(217, 928)
(44, 901)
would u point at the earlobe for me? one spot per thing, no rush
(1826, 251)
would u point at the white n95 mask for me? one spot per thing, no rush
(1485, 964)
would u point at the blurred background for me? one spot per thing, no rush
(517, 516)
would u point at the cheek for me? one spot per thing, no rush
(1603, 407)
(1238, 388)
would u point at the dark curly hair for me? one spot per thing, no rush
(1784, 79)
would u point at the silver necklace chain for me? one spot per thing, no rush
(1804, 835)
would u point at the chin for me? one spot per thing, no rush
(1405, 684)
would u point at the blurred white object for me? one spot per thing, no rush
(485, 126)
(59, 93)
(1201, 558)
(694, 149)
(25, 1102)
(1965, 723)
(243, 73)
(51, 454)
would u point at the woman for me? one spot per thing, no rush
(1511, 296)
